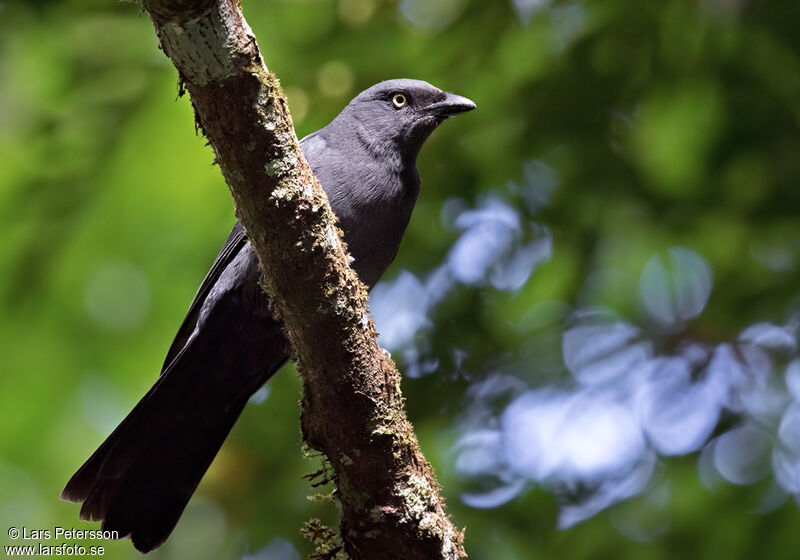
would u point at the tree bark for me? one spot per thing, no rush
(353, 412)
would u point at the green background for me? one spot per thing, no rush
(668, 123)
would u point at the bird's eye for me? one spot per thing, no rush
(399, 100)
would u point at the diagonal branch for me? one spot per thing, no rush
(352, 406)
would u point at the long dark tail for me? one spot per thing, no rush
(140, 479)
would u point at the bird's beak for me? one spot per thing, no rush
(452, 104)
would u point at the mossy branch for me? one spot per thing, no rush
(391, 506)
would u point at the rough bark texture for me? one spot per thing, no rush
(353, 412)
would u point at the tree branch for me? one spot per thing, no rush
(353, 412)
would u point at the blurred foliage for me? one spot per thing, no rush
(669, 123)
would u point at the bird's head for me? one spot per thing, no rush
(402, 114)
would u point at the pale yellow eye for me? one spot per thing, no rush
(398, 100)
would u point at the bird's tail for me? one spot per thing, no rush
(140, 479)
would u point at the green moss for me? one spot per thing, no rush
(328, 544)
(321, 498)
(376, 514)
(344, 459)
(418, 496)
(373, 534)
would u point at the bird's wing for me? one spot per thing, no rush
(314, 149)
(230, 249)
(313, 145)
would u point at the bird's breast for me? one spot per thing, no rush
(373, 215)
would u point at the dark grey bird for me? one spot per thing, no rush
(140, 479)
